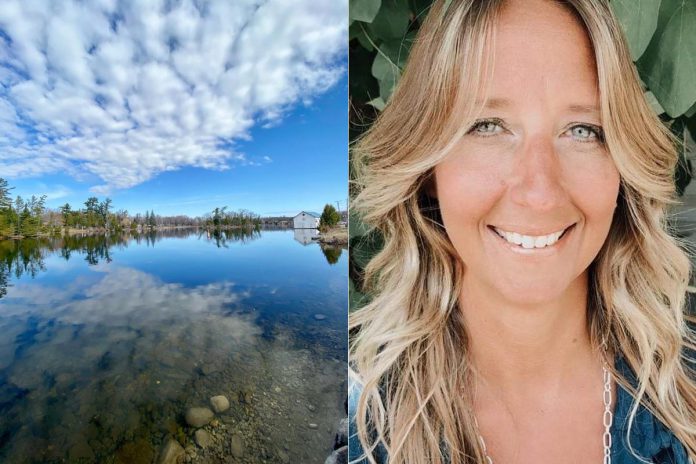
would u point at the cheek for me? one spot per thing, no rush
(465, 195)
(595, 190)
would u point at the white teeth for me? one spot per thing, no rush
(529, 241)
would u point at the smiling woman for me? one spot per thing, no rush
(528, 303)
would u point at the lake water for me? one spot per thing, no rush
(106, 342)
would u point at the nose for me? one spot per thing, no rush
(536, 181)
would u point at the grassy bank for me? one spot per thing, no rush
(334, 236)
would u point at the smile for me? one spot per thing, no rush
(530, 241)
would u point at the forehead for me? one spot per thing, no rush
(542, 50)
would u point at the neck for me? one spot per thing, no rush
(516, 346)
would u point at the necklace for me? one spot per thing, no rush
(607, 420)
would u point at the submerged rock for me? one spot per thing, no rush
(172, 453)
(203, 438)
(237, 446)
(319, 317)
(81, 450)
(137, 452)
(220, 403)
(339, 456)
(341, 438)
(283, 456)
(198, 417)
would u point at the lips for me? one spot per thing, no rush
(530, 241)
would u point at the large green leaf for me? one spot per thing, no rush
(638, 19)
(363, 10)
(654, 104)
(392, 20)
(387, 74)
(357, 31)
(389, 62)
(669, 63)
(420, 9)
(691, 111)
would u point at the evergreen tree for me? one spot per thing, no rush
(329, 217)
(5, 198)
(103, 210)
(67, 215)
(7, 215)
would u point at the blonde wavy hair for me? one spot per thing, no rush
(408, 346)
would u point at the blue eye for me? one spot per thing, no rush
(486, 127)
(587, 133)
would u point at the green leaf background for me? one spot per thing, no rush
(661, 36)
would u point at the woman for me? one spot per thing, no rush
(528, 304)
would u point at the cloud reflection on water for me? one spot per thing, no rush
(104, 347)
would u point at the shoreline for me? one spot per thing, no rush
(62, 232)
(336, 236)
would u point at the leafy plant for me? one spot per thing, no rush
(329, 217)
(660, 35)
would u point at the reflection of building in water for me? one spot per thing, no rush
(305, 236)
(306, 220)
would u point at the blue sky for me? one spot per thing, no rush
(176, 106)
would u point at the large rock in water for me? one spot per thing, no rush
(220, 403)
(172, 453)
(237, 446)
(198, 417)
(203, 438)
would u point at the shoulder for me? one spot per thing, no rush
(356, 452)
(649, 438)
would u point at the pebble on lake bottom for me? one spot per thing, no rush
(220, 403)
(237, 446)
(203, 438)
(198, 417)
(172, 453)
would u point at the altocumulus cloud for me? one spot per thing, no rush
(126, 90)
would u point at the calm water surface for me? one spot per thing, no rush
(106, 342)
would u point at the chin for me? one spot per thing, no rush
(534, 292)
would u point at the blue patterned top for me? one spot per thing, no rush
(649, 437)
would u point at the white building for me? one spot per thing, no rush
(306, 220)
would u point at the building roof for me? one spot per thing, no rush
(311, 213)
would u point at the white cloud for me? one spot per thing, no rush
(126, 90)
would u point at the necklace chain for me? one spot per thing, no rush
(607, 419)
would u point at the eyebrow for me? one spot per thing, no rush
(588, 109)
(497, 103)
(501, 103)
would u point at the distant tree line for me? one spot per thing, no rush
(221, 218)
(30, 218)
(19, 216)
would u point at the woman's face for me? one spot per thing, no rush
(528, 195)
